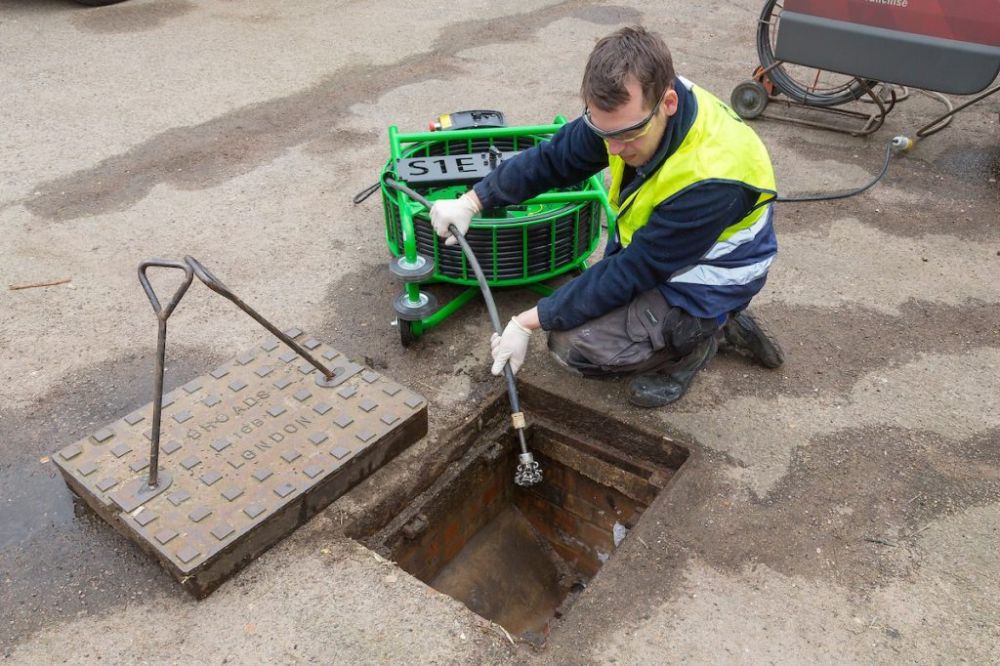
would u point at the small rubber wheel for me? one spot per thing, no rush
(406, 335)
(749, 99)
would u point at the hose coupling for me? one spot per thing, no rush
(901, 144)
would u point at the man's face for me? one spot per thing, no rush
(635, 147)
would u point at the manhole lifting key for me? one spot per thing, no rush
(192, 267)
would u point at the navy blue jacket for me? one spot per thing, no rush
(678, 233)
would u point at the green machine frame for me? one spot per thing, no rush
(568, 218)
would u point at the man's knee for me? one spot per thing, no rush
(561, 346)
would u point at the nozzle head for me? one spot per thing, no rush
(528, 472)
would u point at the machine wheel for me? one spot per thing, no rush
(99, 3)
(749, 99)
(406, 336)
(806, 85)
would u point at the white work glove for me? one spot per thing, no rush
(511, 346)
(459, 212)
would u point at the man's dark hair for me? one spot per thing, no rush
(631, 51)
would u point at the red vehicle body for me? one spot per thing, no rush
(945, 45)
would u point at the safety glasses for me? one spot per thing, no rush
(625, 134)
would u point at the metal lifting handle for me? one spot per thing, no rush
(216, 285)
(162, 314)
(192, 267)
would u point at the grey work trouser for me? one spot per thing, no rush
(646, 335)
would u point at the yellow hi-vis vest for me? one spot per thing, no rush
(719, 147)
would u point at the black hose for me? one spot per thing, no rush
(551, 242)
(491, 306)
(365, 193)
(849, 193)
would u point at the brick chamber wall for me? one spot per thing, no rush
(576, 515)
(573, 512)
(455, 515)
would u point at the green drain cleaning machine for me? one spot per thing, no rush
(522, 245)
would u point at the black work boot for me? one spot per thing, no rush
(655, 389)
(748, 336)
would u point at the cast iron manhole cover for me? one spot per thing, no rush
(250, 451)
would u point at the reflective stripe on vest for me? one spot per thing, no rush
(727, 244)
(716, 275)
(718, 147)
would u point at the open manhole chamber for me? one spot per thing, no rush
(521, 556)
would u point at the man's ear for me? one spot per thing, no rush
(670, 102)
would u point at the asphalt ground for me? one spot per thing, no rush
(842, 509)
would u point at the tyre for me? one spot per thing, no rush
(806, 85)
(99, 3)
(749, 99)
(406, 335)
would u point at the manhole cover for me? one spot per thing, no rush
(248, 453)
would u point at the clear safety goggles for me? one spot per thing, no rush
(625, 134)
